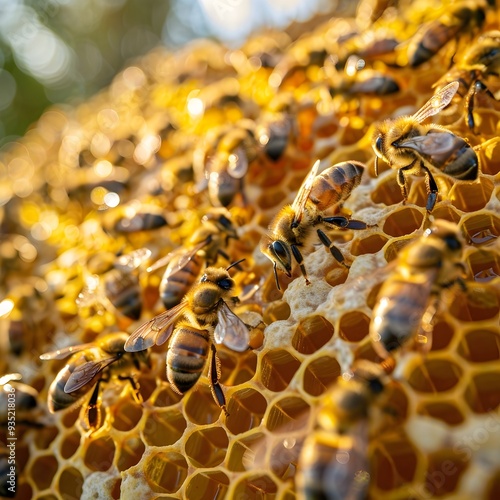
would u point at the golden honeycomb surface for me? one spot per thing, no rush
(72, 185)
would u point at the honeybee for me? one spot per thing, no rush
(112, 282)
(481, 60)
(89, 365)
(184, 266)
(334, 462)
(434, 35)
(20, 408)
(409, 297)
(412, 148)
(318, 201)
(202, 319)
(131, 219)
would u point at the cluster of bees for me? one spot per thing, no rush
(215, 287)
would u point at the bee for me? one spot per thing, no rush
(112, 282)
(193, 327)
(89, 365)
(184, 266)
(334, 462)
(481, 60)
(318, 201)
(409, 297)
(131, 219)
(25, 398)
(434, 35)
(412, 148)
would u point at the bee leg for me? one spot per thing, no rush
(432, 189)
(337, 254)
(344, 222)
(135, 388)
(92, 412)
(300, 262)
(402, 182)
(214, 376)
(478, 87)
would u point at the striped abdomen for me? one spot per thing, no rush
(124, 292)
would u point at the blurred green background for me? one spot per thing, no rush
(65, 50)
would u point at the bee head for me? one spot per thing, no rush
(448, 232)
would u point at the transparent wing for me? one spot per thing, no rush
(433, 143)
(230, 330)
(65, 352)
(156, 331)
(179, 256)
(83, 374)
(133, 259)
(437, 102)
(300, 200)
(10, 377)
(90, 293)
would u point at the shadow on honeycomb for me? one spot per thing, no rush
(134, 168)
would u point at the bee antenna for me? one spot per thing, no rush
(234, 264)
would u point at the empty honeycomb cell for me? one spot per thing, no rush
(446, 212)
(311, 334)
(353, 326)
(70, 483)
(481, 345)
(100, 454)
(146, 386)
(435, 375)
(471, 196)
(336, 275)
(481, 393)
(387, 191)
(277, 369)
(163, 427)
(394, 462)
(478, 303)
(271, 198)
(484, 265)
(445, 411)
(70, 444)
(165, 471)
(246, 370)
(490, 156)
(126, 415)
(481, 228)
(287, 415)
(395, 245)
(130, 453)
(213, 485)
(246, 409)
(442, 335)
(43, 470)
(397, 405)
(45, 436)
(371, 244)
(403, 221)
(319, 374)
(166, 397)
(255, 487)
(207, 447)
(277, 311)
(70, 417)
(199, 405)
(24, 490)
(444, 472)
(242, 452)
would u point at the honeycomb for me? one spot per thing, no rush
(126, 170)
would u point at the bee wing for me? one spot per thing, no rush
(5, 379)
(230, 330)
(156, 331)
(90, 292)
(237, 163)
(84, 373)
(65, 352)
(183, 258)
(300, 200)
(133, 259)
(437, 102)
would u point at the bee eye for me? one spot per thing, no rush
(379, 144)
(279, 250)
(226, 283)
(453, 243)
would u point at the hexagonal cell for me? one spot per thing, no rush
(199, 405)
(479, 303)
(444, 472)
(236, 368)
(319, 374)
(166, 397)
(276, 311)
(481, 228)
(277, 369)
(387, 191)
(336, 275)
(484, 265)
(256, 487)
(446, 212)
(100, 454)
(207, 485)
(43, 470)
(246, 408)
(70, 444)
(442, 335)
(70, 483)
(446, 411)
(403, 221)
(163, 427)
(45, 436)
(435, 375)
(70, 417)
(481, 393)
(165, 471)
(395, 245)
(311, 334)
(126, 415)
(130, 453)
(287, 415)
(353, 326)
(471, 196)
(242, 453)
(370, 244)
(207, 447)
(480, 345)
(490, 154)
